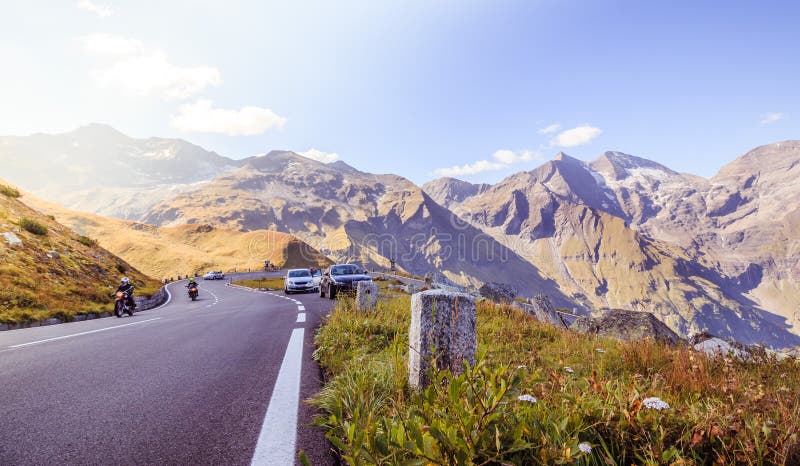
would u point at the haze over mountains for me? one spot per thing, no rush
(718, 254)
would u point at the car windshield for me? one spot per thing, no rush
(299, 273)
(317, 273)
(346, 270)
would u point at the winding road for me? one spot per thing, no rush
(221, 380)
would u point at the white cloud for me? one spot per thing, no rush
(508, 157)
(502, 159)
(319, 156)
(576, 136)
(768, 118)
(153, 74)
(139, 70)
(100, 10)
(109, 44)
(202, 117)
(549, 129)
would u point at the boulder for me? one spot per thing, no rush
(718, 347)
(498, 292)
(626, 325)
(12, 239)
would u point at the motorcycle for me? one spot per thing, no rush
(121, 305)
(193, 292)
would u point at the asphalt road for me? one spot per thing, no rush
(189, 383)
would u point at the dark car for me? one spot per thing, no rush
(341, 277)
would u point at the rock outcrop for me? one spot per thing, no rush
(498, 292)
(626, 325)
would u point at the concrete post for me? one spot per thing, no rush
(443, 331)
(366, 296)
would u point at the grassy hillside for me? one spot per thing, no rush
(185, 249)
(541, 395)
(54, 272)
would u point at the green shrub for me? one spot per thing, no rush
(33, 226)
(9, 191)
(86, 241)
(121, 267)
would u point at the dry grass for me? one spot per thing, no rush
(589, 389)
(55, 274)
(269, 283)
(186, 249)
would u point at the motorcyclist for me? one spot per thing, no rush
(191, 284)
(127, 287)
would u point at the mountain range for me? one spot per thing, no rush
(718, 254)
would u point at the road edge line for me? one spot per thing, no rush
(278, 437)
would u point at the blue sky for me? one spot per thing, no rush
(418, 88)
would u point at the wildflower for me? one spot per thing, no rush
(522, 367)
(585, 447)
(528, 398)
(568, 370)
(655, 403)
(600, 350)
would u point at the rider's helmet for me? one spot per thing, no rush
(125, 280)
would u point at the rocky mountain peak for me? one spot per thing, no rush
(449, 191)
(278, 160)
(563, 157)
(619, 166)
(776, 158)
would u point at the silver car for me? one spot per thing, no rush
(298, 281)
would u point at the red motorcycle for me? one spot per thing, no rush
(122, 305)
(193, 292)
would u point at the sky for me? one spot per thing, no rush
(477, 90)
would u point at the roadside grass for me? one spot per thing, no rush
(268, 283)
(55, 274)
(591, 397)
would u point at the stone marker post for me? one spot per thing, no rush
(443, 330)
(366, 296)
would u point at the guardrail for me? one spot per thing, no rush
(143, 303)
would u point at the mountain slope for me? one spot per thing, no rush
(567, 221)
(56, 273)
(353, 215)
(98, 169)
(449, 192)
(186, 249)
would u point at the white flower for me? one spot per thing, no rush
(568, 370)
(528, 398)
(655, 403)
(522, 367)
(600, 350)
(585, 447)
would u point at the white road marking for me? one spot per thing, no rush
(82, 333)
(301, 308)
(276, 442)
(301, 317)
(216, 299)
(169, 298)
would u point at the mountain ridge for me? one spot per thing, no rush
(717, 253)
